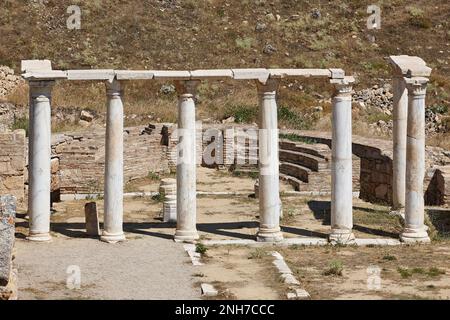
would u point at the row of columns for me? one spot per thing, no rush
(269, 199)
(409, 155)
(269, 193)
(39, 154)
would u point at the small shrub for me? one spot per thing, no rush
(389, 258)
(405, 272)
(434, 272)
(257, 253)
(244, 43)
(242, 113)
(153, 176)
(20, 123)
(335, 268)
(200, 248)
(296, 138)
(418, 19)
(158, 197)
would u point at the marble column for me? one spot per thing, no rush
(113, 198)
(341, 171)
(415, 230)
(269, 183)
(399, 142)
(186, 163)
(39, 144)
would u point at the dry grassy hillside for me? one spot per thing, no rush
(172, 34)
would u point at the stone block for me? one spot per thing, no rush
(259, 74)
(134, 75)
(212, 74)
(294, 73)
(208, 290)
(337, 73)
(410, 66)
(171, 75)
(98, 74)
(92, 223)
(33, 65)
(7, 229)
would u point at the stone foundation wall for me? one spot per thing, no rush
(79, 158)
(12, 164)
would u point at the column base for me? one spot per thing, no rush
(112, 238)
(339, 236)
(411, 236)
(186, 236)
(269, 235)
(40, 237)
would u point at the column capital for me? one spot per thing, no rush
(187, 87)
(343, 86)
(271, 86)
(416, 86)
(114, 88)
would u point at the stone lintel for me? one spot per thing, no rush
(259, 74)
(35, 65)
(292, 73)
(171, 75)
(212, 74)
(134, 75)
(95, 74)
(337, 73)
(44, 75)
(410, 66)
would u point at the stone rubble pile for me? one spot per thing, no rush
(380, 99)
(8, 81)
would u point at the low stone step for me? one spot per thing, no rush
(296, 171)
(306, 160)
(316, 149)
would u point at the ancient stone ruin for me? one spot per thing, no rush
(404, 185)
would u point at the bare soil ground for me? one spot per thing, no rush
(150, 261)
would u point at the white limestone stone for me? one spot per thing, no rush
(400, 115)
(414, 230)
(171, 74)
(377, 242)
(410, 66)
(307, 241)
(293, 73)
(341, 170)
(35, 65)
(282, 266)
(277, 255)
(44, 75)
(302, 294)
(208, 290)
(133, 75)
(212, 74)
(337, 73)
(186, 163)
(113, 199)
(269, 181)
(259, 74)
(39, 160)
(289, 279)
(97, 74)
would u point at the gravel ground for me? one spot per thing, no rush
(143, 268)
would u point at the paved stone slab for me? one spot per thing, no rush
(134, 75)
(260, 74)
(377, 242)
(282, 266)
(292, 73)
(212, 74)
(289, 279)
(410, 66)
(307, 241)
(98, 74)
(7, 229)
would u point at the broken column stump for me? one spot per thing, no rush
(168, 192)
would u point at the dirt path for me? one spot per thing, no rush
(143, 268)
